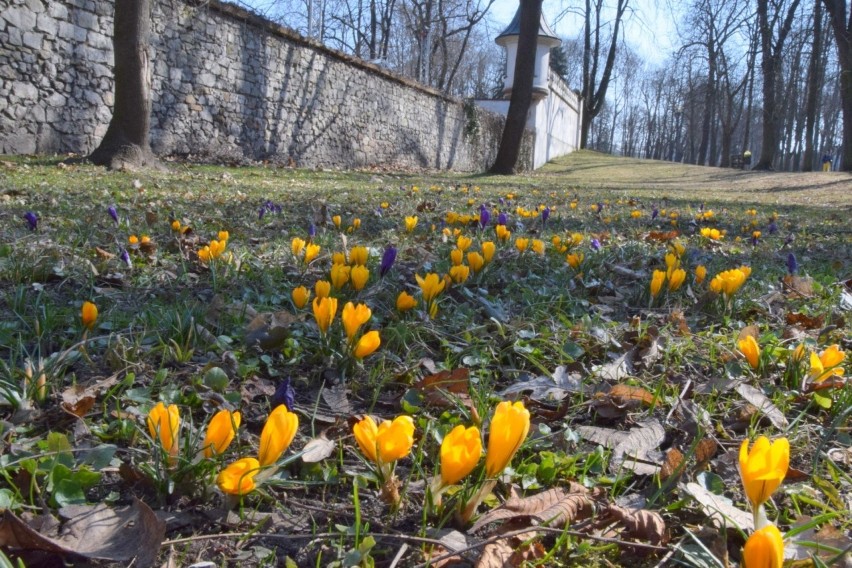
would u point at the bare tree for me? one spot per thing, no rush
(775, 25)
(814, 81)
(597, 72)
(841, 24)
(126, 144)
(519, 104)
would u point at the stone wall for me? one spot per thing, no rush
(227, 84)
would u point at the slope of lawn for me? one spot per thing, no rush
(608, 331)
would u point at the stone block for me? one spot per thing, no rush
(34, 6)
(25, 91)
(57, 10)
(19, 17)
(33, 40)
(18, 143)
(14, 37)
(86, 20)
(98, 40)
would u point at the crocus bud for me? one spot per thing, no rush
(113, 212)
(31, 219)
(792, 265)
(388, 258)
(285, 394)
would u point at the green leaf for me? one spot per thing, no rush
(573, 350)
(86, 478)
(59, 444)
(821, 400)
(69, 492)
(99, 457)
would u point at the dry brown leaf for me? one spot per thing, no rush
(103, 254)
(673, 464)
(318, 449)
(762, 403)
(677, 320)
(661, 236)
(806, 321)
(704, 451)
(749, 330)
(632, 451)
(496, 555)
(799, 285)
(95, 532)
(337, 399)
(603, 436)
(627, 395)
(720, 508)
(641, 524)
(434, 388)
(555, 506)
(270, 330)
(79, 399)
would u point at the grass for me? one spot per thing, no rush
(619, 358)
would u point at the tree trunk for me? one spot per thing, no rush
(519, 104)
(814, 72)
(843, 39)
(125, 144)
(770, 65)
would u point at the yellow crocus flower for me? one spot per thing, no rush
(475, 260)
(488, 249)
(324, 311)
(359, 275)
(750, 349)
(509, 428)
(431, 285)
(456, 256)
(322, 288)
(353, 317)
(164, 424)
(89, 315)
(461, 450)
(338, 258)
(538, 246)
(337, 221)
(700, 274)
(521, 244)
(764, 549)
(405, 302)
(300, 296)
(460, 273)
(657, 280)
(387, 442)
(763, 468)
(297, 245)
(410, 223)
(359, 255)
(277, 434)
(220, 432)
(339, 275)
(826, 364)
(574, 260)
(238, 477)
(676, 279)
(368, 343)
(311, 252)
(463, 243)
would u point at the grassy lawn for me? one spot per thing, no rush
(639, 376)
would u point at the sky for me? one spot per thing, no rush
(649, 29)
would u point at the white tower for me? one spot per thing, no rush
(508, 39)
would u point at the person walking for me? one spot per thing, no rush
(826, 162)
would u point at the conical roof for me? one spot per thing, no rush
(514, 28)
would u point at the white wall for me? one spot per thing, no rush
(555, 120)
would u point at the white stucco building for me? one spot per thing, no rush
(555, 112)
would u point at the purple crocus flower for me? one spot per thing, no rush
(501, 219)
(655, 213)
(545, 214)
(773, 227)
(502, 202)
(260, 213)
(596, 244)
(754, 240)
(792, 265)
(31, 219)
(113, 212)
(484, 216)
(285, 394)
(125, 258)
(388, 258)
(312, 230)
(600, 206)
